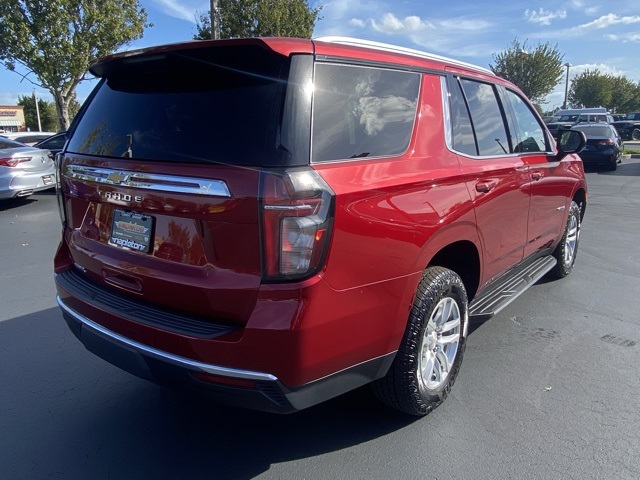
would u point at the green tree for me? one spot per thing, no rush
(48, 115)
(57, 40)
(591, 89)
(535, 70)
(625, 95)
(260, 18)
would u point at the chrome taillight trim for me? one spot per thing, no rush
(59, 196)
(149, 181)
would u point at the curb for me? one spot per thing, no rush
(631, 155)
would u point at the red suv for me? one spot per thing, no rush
(278, 221)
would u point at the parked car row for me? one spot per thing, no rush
(26, 162)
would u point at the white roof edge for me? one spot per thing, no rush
(357, 42)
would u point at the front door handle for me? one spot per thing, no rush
(537, 175)
(484, 187)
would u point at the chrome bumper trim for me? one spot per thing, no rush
(165, 356)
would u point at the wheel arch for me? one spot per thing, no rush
(456, 247)
(580, 197)
(463, 258)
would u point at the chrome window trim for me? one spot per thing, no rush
(149, 181)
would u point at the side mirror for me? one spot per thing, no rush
(570, 141)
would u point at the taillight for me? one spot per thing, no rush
(297, 214)
(608, 141)
(13, 161)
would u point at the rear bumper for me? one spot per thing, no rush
(21, 183)
(248, 388)
(605, 157)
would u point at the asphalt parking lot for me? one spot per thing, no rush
(548, 388)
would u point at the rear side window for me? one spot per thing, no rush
(200, 105)
(362, 112)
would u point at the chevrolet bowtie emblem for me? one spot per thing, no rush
(116, 177)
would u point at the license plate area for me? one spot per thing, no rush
(132, 230)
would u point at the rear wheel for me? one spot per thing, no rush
(567, 250)
(432, 348)
(635, 134)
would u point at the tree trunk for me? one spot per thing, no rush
(62, 108)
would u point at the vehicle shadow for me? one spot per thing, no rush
(71, 413)
(11, 203)
(624, 169)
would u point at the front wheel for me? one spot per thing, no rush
(635, 134)
(567, 250)
(429, 357)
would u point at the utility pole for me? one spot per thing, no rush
(215, 20)
(35, 100)
(566, 86)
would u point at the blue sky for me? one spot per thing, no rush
(590, 33)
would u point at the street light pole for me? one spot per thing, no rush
(522, 52)
(35, 100)
(566, 86)
(215, 20)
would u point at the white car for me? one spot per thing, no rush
(28, 138)
(24, 170)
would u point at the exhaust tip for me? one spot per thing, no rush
(24, 193)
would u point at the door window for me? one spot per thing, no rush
(486, 118)
(531, 136)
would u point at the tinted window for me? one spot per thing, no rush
(463, 139)
(595, 130)
(362, 112)
(204, 105)
(56, 142)
(530, 135)
(486, 118)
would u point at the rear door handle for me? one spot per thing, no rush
(484, 187)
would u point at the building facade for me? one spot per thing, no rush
(12, 118)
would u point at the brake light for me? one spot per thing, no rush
(13, 161)
(606, 142)
(297, 214)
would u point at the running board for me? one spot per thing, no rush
(508, 288)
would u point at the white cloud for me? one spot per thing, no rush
(463, 24)
(357, 22)
(610, 19)
(544, 17)
(625, 38)
(184, 10)
(390, 24)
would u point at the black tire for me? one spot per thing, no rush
(613, 164)
(567, 249)
(404, 386)
(635, 134)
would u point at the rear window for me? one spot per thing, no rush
(6, 143)
(203, 105)
(594, 131)
(362, 111)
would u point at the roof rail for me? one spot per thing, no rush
(357, 42)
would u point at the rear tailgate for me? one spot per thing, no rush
(160, 176)
(184, 237)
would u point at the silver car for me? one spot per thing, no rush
(24, 170)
